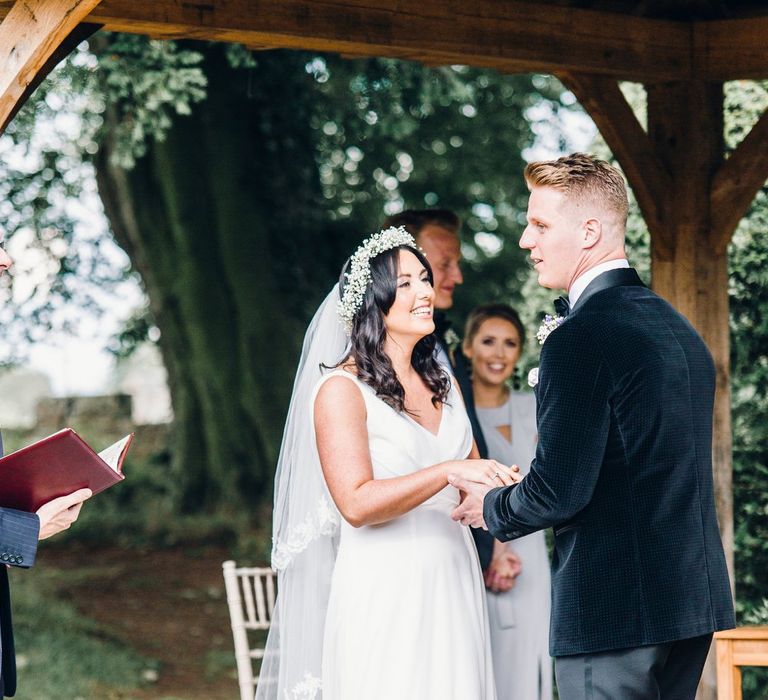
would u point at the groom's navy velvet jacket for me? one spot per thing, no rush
(623, 473)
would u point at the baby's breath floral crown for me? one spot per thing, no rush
(358, 275)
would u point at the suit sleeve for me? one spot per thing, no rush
(18, 537)
(573, 418)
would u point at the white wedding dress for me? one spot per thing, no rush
(406, 617)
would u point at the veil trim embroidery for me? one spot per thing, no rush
(306, 689)
(323, 522)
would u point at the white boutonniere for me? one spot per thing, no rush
(547, 326)
(533, 377)
(451, 339)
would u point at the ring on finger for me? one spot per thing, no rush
(497, 476)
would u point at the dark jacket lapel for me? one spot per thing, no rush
(623, 277)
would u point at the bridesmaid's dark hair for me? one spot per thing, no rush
(369, 332)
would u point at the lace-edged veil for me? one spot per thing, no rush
(306, 524)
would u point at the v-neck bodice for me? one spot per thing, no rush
(435, 434)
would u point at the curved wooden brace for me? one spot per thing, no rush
(29, 35)
(603, 100)
(737, 181)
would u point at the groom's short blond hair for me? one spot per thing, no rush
(583, 178)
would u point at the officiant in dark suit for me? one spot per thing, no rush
(623, 467)
(19, 535)
(436, 232)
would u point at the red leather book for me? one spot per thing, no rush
(57, 465)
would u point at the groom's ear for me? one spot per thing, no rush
(592, 232)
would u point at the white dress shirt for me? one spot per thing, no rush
(581, 282)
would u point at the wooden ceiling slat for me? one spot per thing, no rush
(511, 36)
(731, 49)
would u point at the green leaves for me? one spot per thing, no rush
(748, 291)
(148, 83)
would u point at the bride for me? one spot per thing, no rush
(380, 592)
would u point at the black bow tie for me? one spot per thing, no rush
(562, 306)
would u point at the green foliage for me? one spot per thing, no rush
(141, 511)
(149, 83)
(748, 292)
(138, 329)
(394, 135)
(68, 269)
(69, 265)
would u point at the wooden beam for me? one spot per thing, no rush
(30, 33)
(650, 180)
(738, 181)
(509, 35)
(731, 49)
(80, 33)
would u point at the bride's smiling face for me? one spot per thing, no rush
(411, 312)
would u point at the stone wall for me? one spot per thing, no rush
(99, 420)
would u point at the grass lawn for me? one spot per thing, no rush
(122, 624)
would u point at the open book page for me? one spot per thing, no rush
(112, 455)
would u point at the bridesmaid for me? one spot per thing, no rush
(519, 617)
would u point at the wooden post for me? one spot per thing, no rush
(685, 126)
(29, 35)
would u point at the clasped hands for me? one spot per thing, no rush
(474, 484)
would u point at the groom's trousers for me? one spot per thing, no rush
(668, 671)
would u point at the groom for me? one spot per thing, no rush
(623, 467)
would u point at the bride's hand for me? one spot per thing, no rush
(486, 471)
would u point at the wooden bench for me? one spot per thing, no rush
(743, 646)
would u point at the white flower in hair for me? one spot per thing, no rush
(358, 276)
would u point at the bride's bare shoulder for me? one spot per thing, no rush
(339, 390)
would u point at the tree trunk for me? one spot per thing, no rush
(201, 221)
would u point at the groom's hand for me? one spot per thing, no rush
(470, 512)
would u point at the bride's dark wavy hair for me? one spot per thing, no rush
(369, 333)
